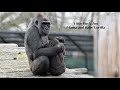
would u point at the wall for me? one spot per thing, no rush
(107, 47)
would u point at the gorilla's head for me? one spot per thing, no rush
(42, 23)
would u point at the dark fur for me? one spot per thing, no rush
(57, 65)
(44, 55)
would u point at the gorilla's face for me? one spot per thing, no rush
(43, 25)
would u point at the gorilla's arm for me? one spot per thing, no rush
(33, 43)
(49, 51)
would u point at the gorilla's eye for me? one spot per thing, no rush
(36, 22)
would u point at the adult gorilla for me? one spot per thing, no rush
(44, 55)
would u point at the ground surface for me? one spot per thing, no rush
(14, 64)
(20, 69)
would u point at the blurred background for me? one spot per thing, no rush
(79, 42)
(18, 21)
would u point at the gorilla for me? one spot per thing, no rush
(45, 55)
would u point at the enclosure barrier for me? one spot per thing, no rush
(107, 47)
(82, 42)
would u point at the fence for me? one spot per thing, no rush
(82, 42)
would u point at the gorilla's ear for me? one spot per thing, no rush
(36, 22)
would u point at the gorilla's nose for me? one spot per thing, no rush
(46, 27)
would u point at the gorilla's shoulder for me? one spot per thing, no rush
(32, 32)
(32, 28)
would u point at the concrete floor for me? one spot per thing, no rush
(14, 64)
(20, 69)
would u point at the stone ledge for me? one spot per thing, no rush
(8, 51)
(8, 45)
(19, 68)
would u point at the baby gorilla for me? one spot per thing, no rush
(57, 65)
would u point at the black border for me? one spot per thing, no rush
(61, 83)
(51, 6)
(59, 5)
(57, 9)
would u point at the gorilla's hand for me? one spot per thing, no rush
(60, 39)
(61, 47)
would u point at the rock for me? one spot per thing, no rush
(83, 70)
(21, 53)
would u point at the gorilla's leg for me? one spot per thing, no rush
(57, 65)
(40, 66)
